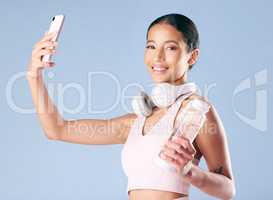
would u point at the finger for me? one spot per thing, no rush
(170, 151)
(173, 154)
(43, 52)
(45, 45)
(39, 64)
(185, 142)
(48, 36)
(171, 161)
(50, 64)
(179, 161)
(38, 56)
(168, 158)
(191, 148)
(180, 149)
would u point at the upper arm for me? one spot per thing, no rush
(97, 131)
(212, 142)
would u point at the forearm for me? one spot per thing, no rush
(216, 185)
(51, 121)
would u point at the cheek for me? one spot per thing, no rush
(147, 58)
(173, 58)
(182, 59)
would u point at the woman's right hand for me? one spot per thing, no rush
(41, 48)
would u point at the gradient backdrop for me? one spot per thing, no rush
(100, 66)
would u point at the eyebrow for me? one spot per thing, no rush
(168, 41)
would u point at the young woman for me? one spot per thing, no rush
(172, 48)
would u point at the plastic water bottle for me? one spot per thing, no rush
(193, 117)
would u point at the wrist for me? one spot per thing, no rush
(198, 176)
(34, 73)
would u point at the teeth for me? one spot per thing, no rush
(159, 68)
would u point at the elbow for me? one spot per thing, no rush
(52, 135)
(49, 137)
(231, 192)
(230, 196)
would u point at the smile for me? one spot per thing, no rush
(159, 69)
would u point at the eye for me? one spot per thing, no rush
(172, 48)
(150, 47)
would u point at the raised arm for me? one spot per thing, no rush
(84, 131)
(96, 131)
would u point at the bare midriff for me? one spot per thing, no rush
(146, 194)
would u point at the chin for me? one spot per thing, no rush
(160, 79)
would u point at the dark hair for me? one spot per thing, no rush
(182, 24)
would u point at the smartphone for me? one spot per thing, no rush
(55, 26)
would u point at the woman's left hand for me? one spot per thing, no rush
(178, 151)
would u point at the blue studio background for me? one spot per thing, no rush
(106, 40)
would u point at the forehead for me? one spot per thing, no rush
(164, 32)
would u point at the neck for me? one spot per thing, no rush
(181, 80)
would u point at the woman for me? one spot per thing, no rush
(172, 48)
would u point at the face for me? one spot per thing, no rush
(165, 55)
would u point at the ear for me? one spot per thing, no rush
(194, 56)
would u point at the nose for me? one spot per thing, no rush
(159, 55)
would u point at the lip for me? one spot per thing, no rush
(159, 68)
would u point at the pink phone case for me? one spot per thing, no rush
(55, 26)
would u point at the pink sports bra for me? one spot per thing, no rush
(139, 153)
